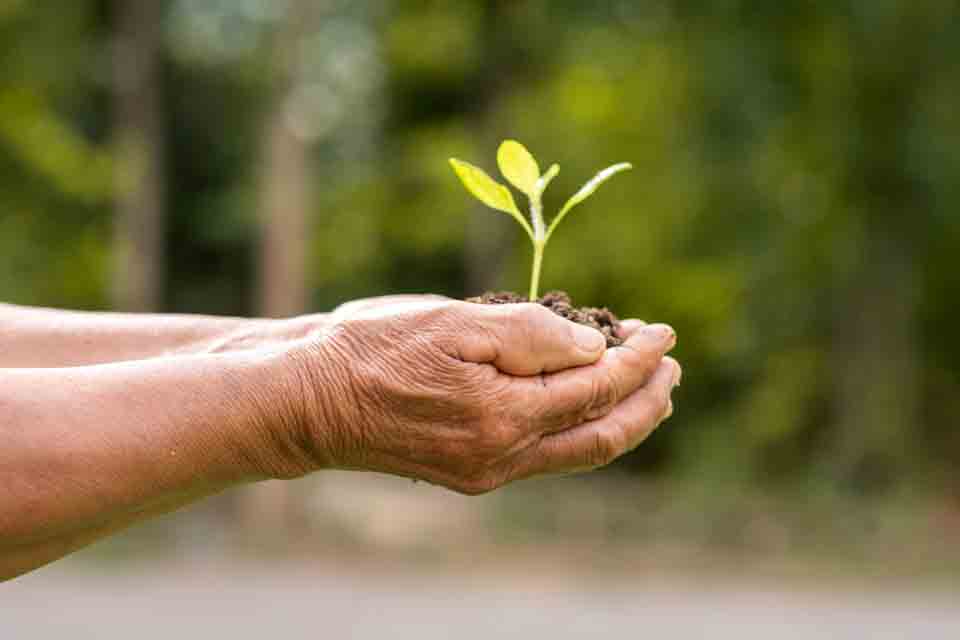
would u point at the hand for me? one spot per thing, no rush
(472, 397)
(274, 334)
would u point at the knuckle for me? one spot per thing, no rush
(608, 446)
(644, 362)
(453, 326)
(661, 401)
(527, 319)
(530, 313)
(464, 321)
(657, 406)
(604, 394)
(651, 362)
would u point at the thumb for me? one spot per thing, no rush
(528, 339)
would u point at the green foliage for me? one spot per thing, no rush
(796, 221)
(56, 173)
(520, 168)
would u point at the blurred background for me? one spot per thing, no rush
(794, 214)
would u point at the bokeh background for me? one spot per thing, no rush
(794, 213)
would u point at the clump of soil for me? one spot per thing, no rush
(559, 302)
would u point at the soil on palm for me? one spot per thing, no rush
(559, 302)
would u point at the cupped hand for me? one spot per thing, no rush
(472, 396)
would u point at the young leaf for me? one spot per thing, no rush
(518, 166)
(586, 191)
(547, 178)
(488, 191)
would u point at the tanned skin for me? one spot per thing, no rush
(108, 419)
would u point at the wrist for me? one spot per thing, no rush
(273, 421)
(295, 405)
(266, 433)
(319, 376)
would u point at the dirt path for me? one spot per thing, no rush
(73, 602)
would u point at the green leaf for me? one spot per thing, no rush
(518, 166)
(586, 191)
(489, 191)
(547, 178)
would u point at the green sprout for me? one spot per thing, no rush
(520, 168)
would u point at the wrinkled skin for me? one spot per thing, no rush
(472, 397)
(109, 419)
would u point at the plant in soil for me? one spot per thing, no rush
(521, 170)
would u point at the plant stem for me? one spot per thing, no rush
(539, 236)
(535, 276)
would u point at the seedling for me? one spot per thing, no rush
(520, 168)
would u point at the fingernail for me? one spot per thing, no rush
(589, 340)
(661, 333)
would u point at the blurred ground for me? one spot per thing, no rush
(381, 557)
(478, 599)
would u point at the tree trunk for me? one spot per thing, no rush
(284, 210)
(138, 121)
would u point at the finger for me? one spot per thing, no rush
(600, 442)
(629, 327)
(527, 339)
(571, 397)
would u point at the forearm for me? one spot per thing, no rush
(87, 450)
(38, 338)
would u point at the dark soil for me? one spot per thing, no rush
(559, 302)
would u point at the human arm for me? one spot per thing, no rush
(88, 450)
(455, 394)
(32, 337)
